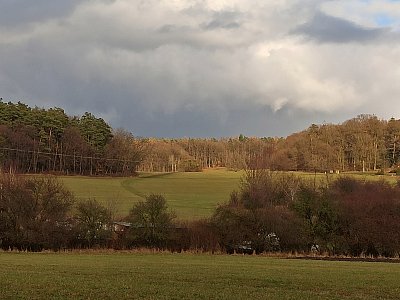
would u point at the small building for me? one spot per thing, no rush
(121, 226)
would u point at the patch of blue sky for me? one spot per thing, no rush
(384, 20)
(373, 12)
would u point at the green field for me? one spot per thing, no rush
(190, 276)
(191, 195)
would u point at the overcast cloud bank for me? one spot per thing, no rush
(204, 68)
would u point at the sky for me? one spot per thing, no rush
(204, 68)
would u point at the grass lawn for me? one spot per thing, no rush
(190, 276)
(191, 195)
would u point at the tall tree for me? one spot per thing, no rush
(95, 130)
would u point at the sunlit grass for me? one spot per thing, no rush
(191, 195)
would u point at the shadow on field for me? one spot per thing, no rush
(350, 259)
(127, 184)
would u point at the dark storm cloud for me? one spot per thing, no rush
(216, 24)
(223, 20)
(257, 120)
(328, 29)
(19, 12)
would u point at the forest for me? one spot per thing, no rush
(364, 143)
(37, 140)
(271, 211)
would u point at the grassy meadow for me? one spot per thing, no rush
(191, 195)
(99, 275)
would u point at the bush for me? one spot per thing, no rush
(190, 166)
(345, 217)
(238, 226)
(369, 216)
(203, 236)
(152, 222)
(93, 224)
(33, 213)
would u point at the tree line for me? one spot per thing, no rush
(37, 140)
(364, 143)
(271, 212)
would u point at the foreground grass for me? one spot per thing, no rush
(187, 276)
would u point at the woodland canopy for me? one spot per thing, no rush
(36, 140)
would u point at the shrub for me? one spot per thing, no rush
(93, 224)
(33, 212)
(369, 216)
(152, 222)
